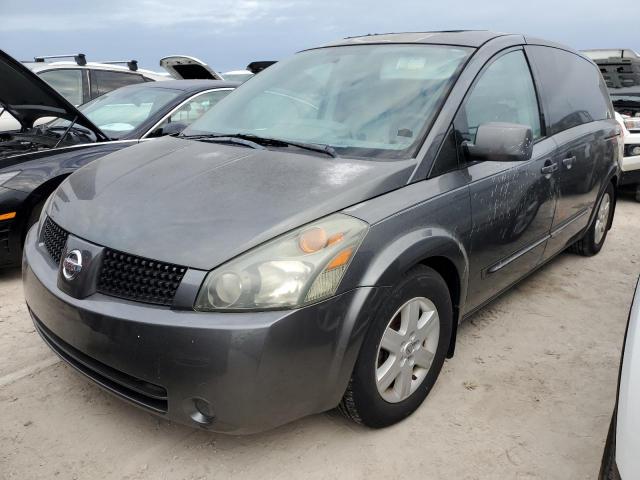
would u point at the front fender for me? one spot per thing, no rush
(399, 256)
(433, 229)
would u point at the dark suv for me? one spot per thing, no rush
(328, 226)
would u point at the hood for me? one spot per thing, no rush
(200, 204)
(28, 98)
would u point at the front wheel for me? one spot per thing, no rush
(403, 352)
(593, 240)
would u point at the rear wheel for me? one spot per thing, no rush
(402, 353)
(593, 240)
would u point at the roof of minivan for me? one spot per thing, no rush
(465, 38)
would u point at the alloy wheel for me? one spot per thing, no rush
(602, 217)
(407, 349)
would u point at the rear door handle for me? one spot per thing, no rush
(549, 167)
(568, 162)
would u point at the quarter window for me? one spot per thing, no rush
(67, 83)
(504, 93)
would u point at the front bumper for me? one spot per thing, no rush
(11, 230)
(630, 163)
(228, 372)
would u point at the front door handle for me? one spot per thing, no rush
(568, 162)
(549, 167)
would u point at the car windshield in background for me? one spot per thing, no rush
(363, 101)
(120, 111)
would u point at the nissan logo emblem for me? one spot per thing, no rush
(72, 264)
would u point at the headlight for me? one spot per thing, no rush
(632, 123)
(300, 267)
(5, 177)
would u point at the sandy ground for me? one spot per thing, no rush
(528, 395)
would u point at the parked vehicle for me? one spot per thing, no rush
(244, 75)
(331, 223)
(34, 162)
(188, 68)
(237, 75)
(621, 71)
(620, 459)
(80, 81)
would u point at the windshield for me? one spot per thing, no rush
(123, 110)
(370, 101)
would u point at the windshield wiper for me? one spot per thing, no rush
(267, 142)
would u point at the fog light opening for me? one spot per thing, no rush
(201, 411)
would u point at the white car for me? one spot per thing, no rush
(620, 70)
(621, 459)
(237, 75)
(630, 165)
(243, 75)
(79, 81)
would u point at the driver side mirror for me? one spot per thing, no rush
(501, 142)
(171, 128)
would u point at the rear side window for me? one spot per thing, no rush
(68, 83)
(572, 88)
(504, 92)
(103, 81)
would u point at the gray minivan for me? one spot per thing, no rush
(315, 239)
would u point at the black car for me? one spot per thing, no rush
(35, 160)
(330, 225)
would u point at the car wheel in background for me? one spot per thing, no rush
(403, 351)
(593, 240)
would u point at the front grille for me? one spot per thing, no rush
(136, 390)
(54, 239)
(139, 279)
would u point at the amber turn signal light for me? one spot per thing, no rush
(341, 259)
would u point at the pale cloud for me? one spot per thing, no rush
(218, 15)
(231, 33)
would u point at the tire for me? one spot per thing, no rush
(593, 240)
(368, 401)
(637, 193)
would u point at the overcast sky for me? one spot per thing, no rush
(228, 34)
